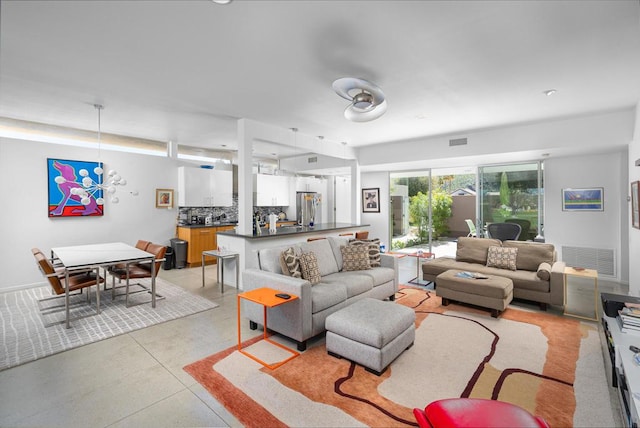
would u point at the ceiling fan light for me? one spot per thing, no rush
(363, 101)
(355, 115)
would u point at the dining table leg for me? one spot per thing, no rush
(153, 283)
(66, 297)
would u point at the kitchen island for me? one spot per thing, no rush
(247, 245)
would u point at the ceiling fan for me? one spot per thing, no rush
(367, 99)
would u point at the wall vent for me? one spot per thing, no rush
(312, 159)
(458, 142)
(601, 259)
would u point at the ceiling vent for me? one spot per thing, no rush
(458, 142)
(312, 159)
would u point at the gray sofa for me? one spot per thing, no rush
(303, 319)
(538, 276)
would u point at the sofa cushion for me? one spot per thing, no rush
(325, 295)
(531, 254)
(309, 267)
(380, 275)
(544, 271)
(501, 257)
(373, 246)
(355, 257)
(290, 263)
(474, 250)
(322, 249)
(336, 242)
(269, 259)
(355, 282)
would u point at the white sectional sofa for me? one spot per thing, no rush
(303, 319)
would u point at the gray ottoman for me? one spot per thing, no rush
(371, 332)
(494, 292)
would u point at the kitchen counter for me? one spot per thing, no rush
(295, 230)
(196, 226)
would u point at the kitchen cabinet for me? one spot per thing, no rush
(311, 184)
(200, 239)
(271, 190)
(201, 187)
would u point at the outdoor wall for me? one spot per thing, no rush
(634, 234)
(24, 218)
(463, 207)
(590, 229)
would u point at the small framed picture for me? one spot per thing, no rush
(591, 199)
(164, 198)
(635, 200)
(371, 200)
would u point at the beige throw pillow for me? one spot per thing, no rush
(309, 267)
(501, 257)
(373, 246)
(290, 263)
(355, 257)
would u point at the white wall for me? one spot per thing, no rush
(24, 218)
(379, 222)
(634, 234)
(592, 229)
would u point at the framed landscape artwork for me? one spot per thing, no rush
(371, 200)
(72, 188)
(164, 198)
(635, 200)
(589, 199)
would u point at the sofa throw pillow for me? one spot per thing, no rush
(355, 257)
(373, 246)
(309, 267)
(544, 271)
(501, 257)
(290, 263)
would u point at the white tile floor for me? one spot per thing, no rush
(137, 379)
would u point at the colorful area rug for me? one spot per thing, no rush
(550, 365)
(25, 338)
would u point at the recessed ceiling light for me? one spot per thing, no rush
(549, 92)
(545, 155)
(222, 1)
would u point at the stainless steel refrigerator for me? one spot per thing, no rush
(308, 208)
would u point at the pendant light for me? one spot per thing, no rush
(100, 187)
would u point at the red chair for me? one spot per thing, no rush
(475, 412)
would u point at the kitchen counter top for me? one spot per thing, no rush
(197, 226)
(294, 230)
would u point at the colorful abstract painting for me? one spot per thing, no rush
(583, 199)
(73, 190)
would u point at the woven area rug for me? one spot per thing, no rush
(25, 337)
(550, 365)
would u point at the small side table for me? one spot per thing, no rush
(581, 273)
(419, 257)
(221, 256)
(267, 298)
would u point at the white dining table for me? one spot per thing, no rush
(96, 256)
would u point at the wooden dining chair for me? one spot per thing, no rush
(362, 235)
(346, 234)
(138, 271)
(317, 238)
(76, 284)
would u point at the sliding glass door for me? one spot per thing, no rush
(429, 208)
(512, 193)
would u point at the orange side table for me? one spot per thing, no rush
(267, 298)
(420, 256)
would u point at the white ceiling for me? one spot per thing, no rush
(186, 70)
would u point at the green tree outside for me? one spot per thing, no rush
(440, 211)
